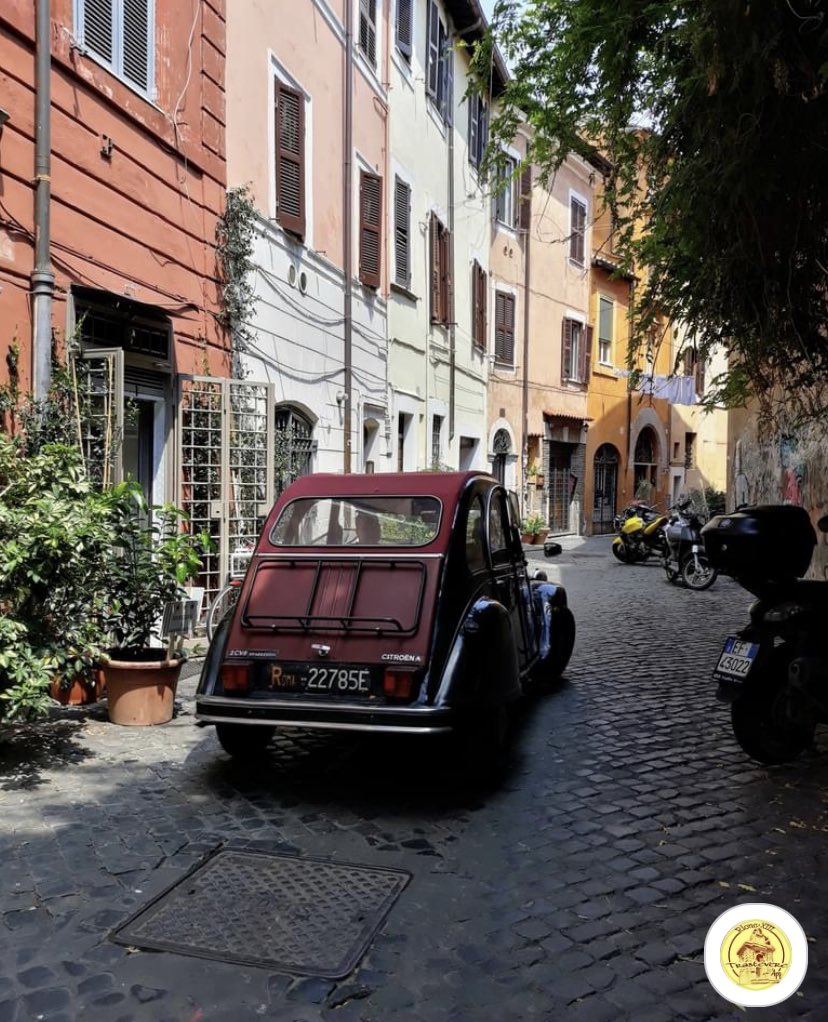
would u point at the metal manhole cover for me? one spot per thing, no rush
(292, 915)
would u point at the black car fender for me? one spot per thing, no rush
(208, 682)
(547, 598)
(482, 668)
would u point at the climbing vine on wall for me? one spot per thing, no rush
(235, 230)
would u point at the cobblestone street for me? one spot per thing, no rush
(580, 887)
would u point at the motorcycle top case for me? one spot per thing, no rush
(775, 541)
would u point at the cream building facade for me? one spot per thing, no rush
(440, 231)
(541, 351)
(307, 134)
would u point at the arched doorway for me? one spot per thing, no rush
(645, 465)
(604, 488)
(501, 449)
(293, 447)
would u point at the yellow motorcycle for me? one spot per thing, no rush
(640, 534)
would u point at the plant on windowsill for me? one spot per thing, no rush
(534, 529)
(534, 475)
(151, 561)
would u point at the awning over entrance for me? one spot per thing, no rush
(565, 418)
(565, 428)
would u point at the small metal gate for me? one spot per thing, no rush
(559, 486)
(605, 487)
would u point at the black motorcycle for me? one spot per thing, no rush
(774, 673)
(685, 559)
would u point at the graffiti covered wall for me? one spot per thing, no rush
(782, 470)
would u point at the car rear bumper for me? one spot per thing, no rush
(319, 716)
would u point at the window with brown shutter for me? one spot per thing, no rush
(402, 233)
(479, 302)
(525, 200)
(441, 279)
(404, 27)
(504, 328)
(586, 359)
(576, 351)
(370, 225)
(368, 30)
(290, 159)
(566, 350)
(698, 372)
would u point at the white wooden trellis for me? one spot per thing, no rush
(230, 468)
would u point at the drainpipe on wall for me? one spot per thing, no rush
(452, 347)
(348, 193)
(525, 388)
(43, 280)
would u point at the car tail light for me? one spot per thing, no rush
(235, 677)
(398, 684)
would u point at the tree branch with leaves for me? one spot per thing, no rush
(713, 118)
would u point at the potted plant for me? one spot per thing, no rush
(534, 529)
(151, 561)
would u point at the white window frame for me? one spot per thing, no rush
(576, 197)
(577, 319)
(276, 70)
(444, 114)
(115, 66)
(377, 20)
(511, 185)
(611, 340)
(392, 21)
(481, 137)
(369, 73)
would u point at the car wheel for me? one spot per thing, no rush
(761, 720)
(698, 576)
(244, 741)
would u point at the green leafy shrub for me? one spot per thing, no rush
(55, 537)
(715, 500)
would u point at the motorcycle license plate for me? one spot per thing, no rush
(736, 659)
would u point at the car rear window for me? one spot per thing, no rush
(371, 521)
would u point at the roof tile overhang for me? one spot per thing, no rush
(549, 413)
(602, 262)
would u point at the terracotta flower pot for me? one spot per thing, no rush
(141, 692)
(78, 692)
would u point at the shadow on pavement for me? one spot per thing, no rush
(27, 750)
